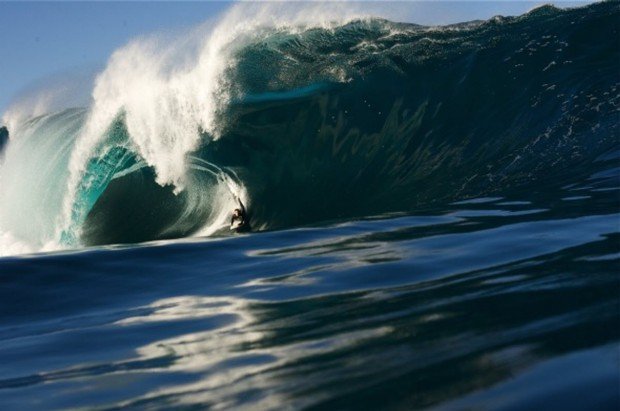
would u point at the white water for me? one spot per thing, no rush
(169, 90)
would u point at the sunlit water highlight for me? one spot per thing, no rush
(476, 305)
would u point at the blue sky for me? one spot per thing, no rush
(40, 40)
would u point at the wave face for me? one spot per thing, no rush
(313, 122)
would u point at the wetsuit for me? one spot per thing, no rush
(244, 224)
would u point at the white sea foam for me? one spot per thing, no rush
(169, 90)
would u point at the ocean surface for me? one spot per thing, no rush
(435, 214)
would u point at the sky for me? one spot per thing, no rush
(40, 41)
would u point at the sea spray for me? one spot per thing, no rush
(312, 118)
(167, 92)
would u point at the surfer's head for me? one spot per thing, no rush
(236, 212)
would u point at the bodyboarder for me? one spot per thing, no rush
(239, 222)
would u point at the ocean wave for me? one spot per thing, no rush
(308, 121)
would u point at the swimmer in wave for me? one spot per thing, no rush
(239, 221)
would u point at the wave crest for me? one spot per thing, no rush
(309, 120)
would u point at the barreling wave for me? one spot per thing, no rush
(307, 121)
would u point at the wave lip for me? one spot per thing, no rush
(313, 121)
